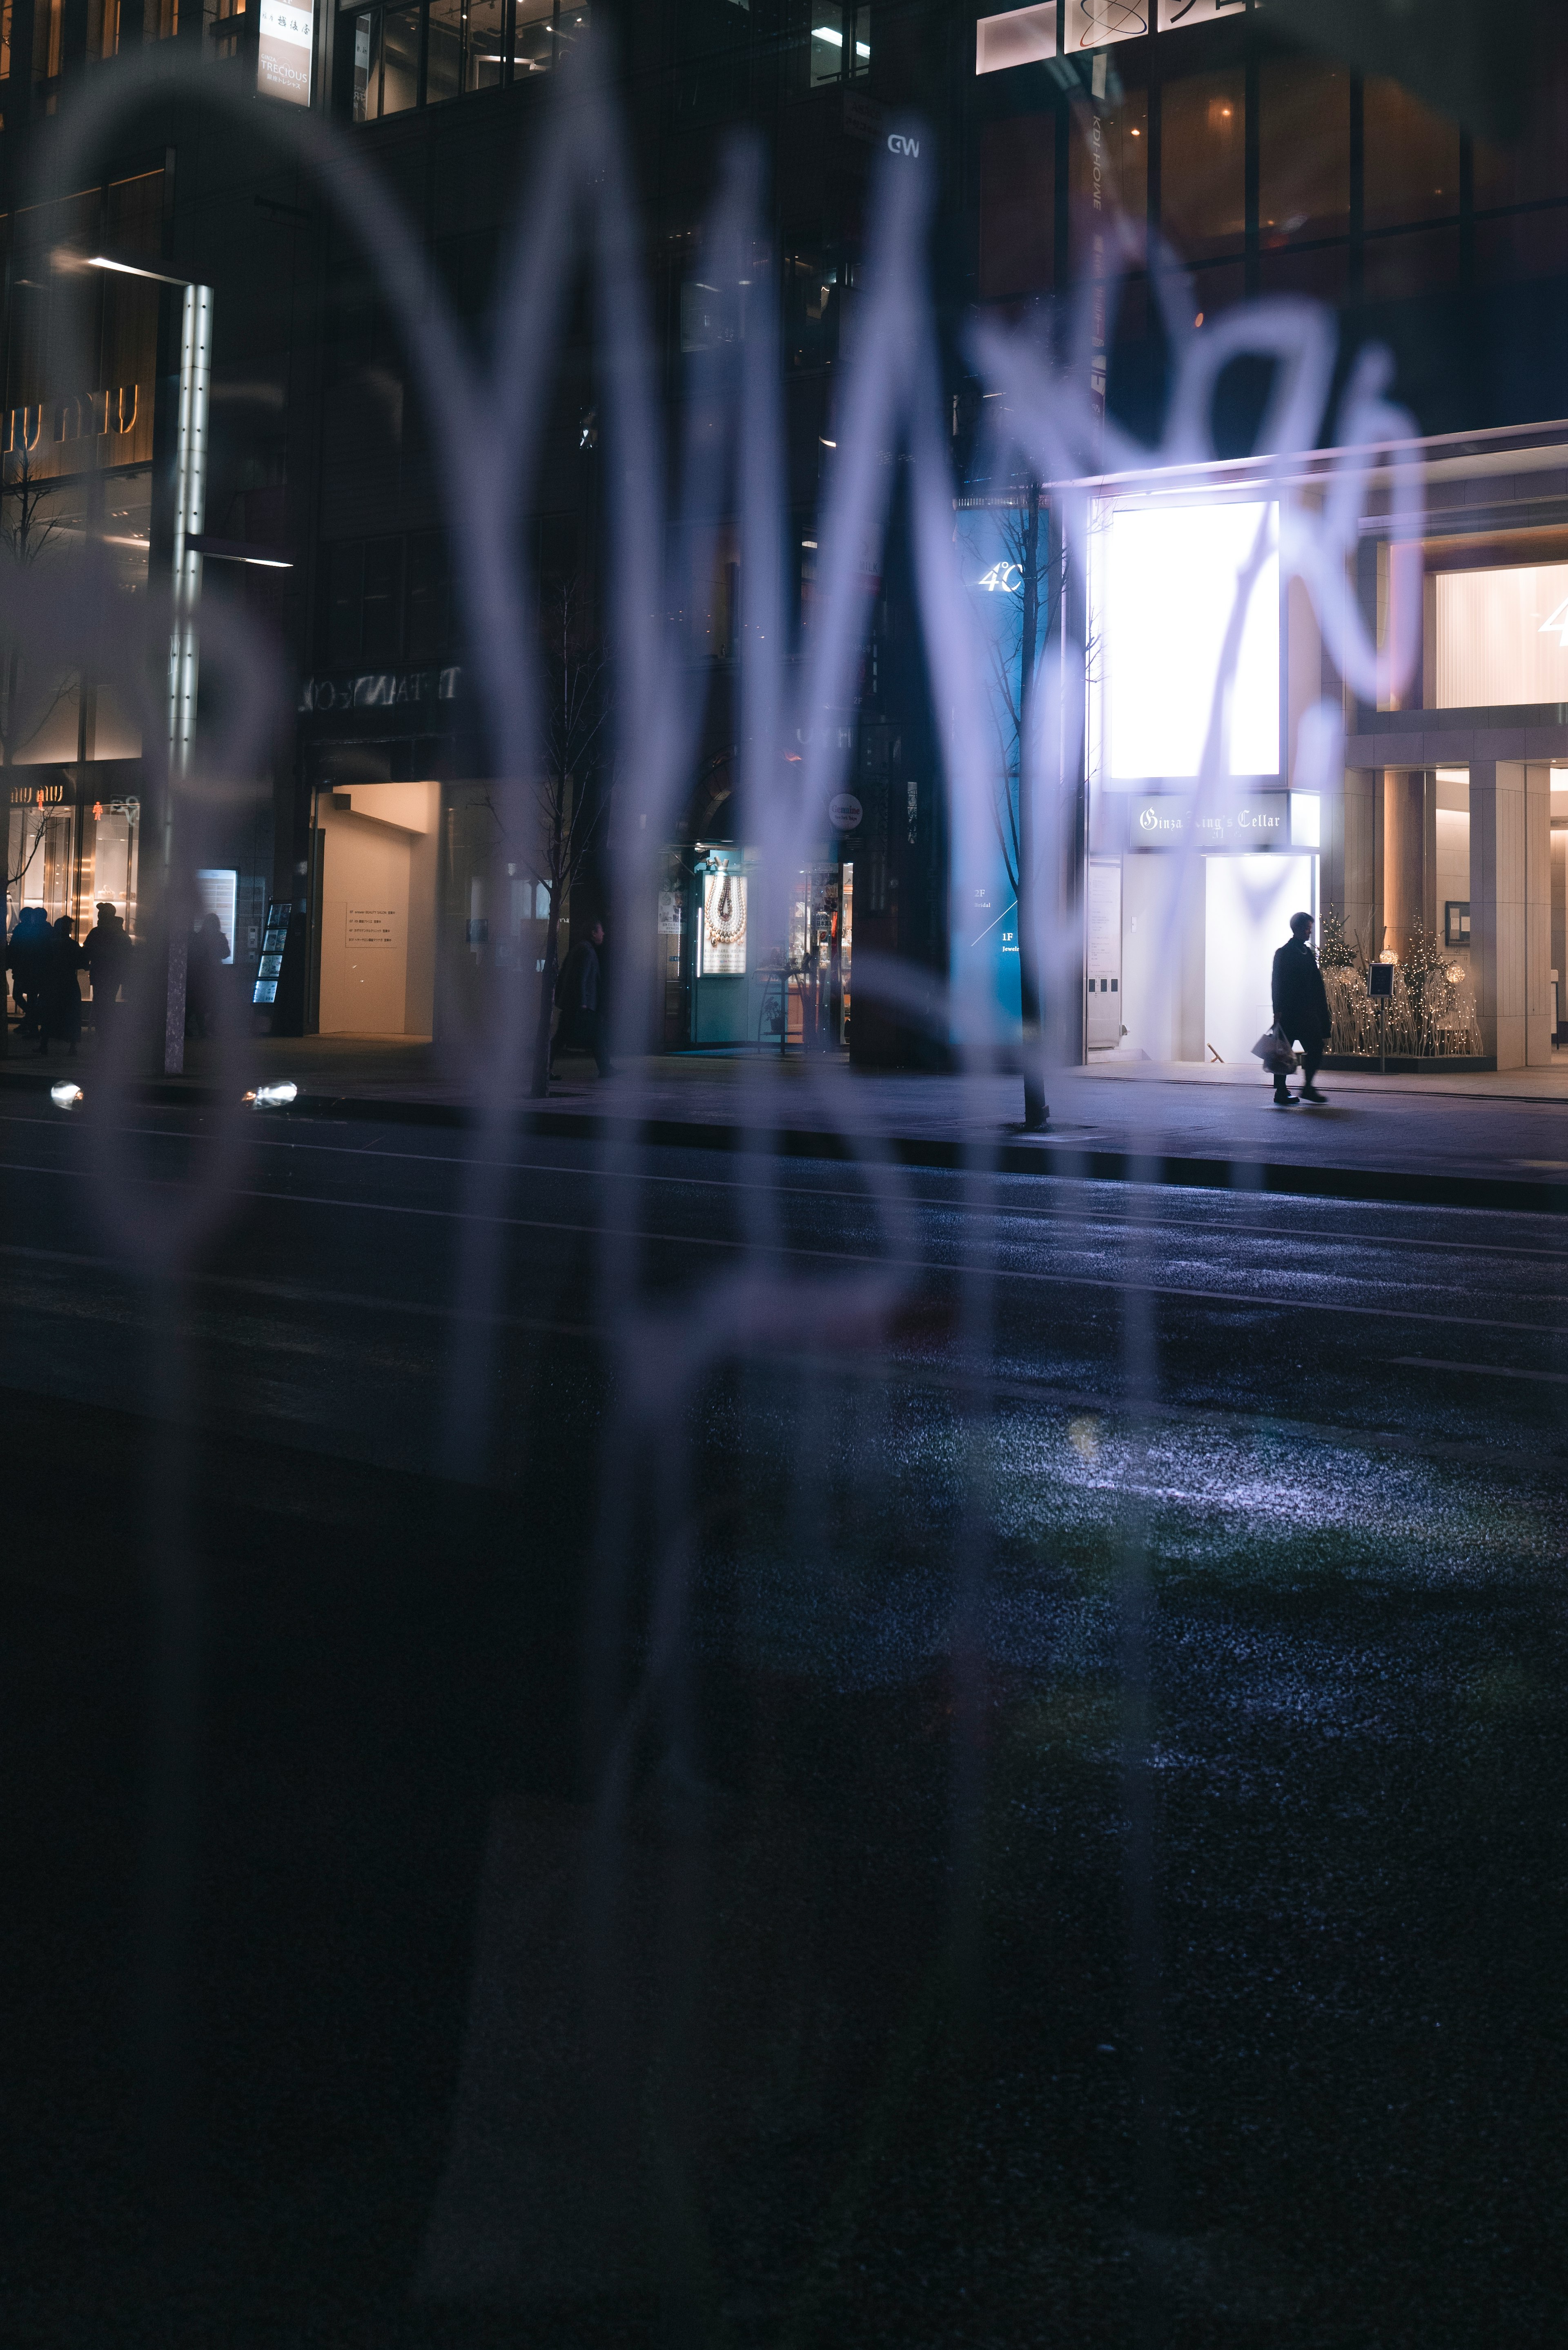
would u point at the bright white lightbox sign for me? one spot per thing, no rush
(1169, 581)
(286, 50)
(217, 893)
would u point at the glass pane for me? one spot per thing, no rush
(1203, 174)
(346, 575)
(427, 597)
(826, 41)
(484, 51)
(861, 58)
(400, 59)
(1412, 167)
(443, 59)
(1118, 174)
(383, 600)
(569, 24)
(534, 47)
(367, 66)
(1017, 206)
(1303, 148)
(1537, 166)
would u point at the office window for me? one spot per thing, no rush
(1535, 167)
(1017, 206)
(344, 566)
(386, 62)
(381, 623)
(443, 50)
(425, 56)
(1412, 160)
(1303, 150)
(1203, 183)
(1500, 637)
(428, 596)
(463, 47)
(534, 41)
(840, 42)
(102, 30)
(48, 21)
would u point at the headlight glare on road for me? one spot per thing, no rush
(66, 1096)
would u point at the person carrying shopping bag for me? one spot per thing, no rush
(1301, 1015)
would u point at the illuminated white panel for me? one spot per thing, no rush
(285, 50)
(1248, 905)
(1023, 37)
(217, 893)
(1170, 581)
(1096, 24)
(1176, 12)
(1502, 636)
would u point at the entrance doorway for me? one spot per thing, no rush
(378, 845)
(1249, 901)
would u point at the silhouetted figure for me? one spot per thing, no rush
(60, 997)
(106, 954)
(577, 994)
(1301, 1010)
(28, 956)
(209, 951)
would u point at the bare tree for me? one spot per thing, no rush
(1022, 575)
(572, 795)
(27, 532)
(1031, 585)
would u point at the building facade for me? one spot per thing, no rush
(367, 829)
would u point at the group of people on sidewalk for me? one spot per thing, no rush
(43, 961)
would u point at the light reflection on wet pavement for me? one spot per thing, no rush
(1109, 1805)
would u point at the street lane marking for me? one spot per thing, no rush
(1202, 1217)
(847, 1257)
(1481, 1370)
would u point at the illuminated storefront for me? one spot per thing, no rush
(70, 855)
(725, 986)
(1437, 839)
(1200, 849)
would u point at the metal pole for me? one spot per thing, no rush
(1382, 1009)
(190, 506)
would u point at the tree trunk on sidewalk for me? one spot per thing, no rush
(1036, 1110)
(540, 1084)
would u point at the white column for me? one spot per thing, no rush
(1538, 914)
(1500, 901)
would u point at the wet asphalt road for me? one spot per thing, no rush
(1057, 1689)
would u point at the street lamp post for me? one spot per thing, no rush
(184, 648)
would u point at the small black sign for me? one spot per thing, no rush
(1380, 979)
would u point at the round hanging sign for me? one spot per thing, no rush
(843, 811)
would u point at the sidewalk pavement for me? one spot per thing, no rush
(1495, 1139)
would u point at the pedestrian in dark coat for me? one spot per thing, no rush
(578, 996)
(207, 956)
(1301, 1010)
(28, 956)
(106, 955)
(60, 1005)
